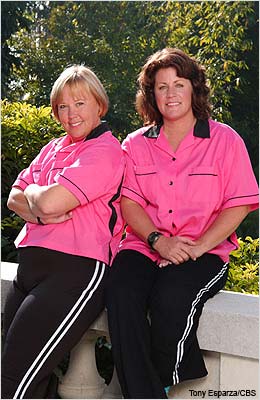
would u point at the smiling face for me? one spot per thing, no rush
(173, 95)
(78, 112)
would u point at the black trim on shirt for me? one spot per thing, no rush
(153, 132)
(98, 131)
(125, 187)
(207, 174)
(113, 218)
(147, 173)
(53, 169)
(201, 130)
(21, 179)
(64, 177)
(240, 197)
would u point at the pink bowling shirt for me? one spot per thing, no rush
(184, 191)
(92, 170)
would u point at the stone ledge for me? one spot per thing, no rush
(229, 322)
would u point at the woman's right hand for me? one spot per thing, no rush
(175, 249)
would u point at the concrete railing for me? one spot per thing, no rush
(228, 335)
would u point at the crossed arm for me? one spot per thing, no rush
(178, 249)
(53, 204)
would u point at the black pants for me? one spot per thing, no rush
(161, 350)
(54, 299)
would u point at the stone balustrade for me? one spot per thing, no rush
(228, 335)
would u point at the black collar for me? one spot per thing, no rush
(201, 130)
(99, 130)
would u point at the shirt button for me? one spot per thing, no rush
(170, 211)
(171, 235)
(173, 158)
(171, 183)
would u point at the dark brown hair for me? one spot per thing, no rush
(186, 67)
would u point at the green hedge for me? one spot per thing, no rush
(25, 129)
(244, 267)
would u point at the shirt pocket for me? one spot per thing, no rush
(36, 173)
(55, 170)
(147, 179)
(203, 185)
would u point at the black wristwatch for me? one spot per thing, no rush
(39, 221)
(152, 238)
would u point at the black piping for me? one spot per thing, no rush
(113, 218)
(75, 186)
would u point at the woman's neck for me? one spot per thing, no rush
(179, 127)
(175, 131)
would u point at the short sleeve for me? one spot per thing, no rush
(241, 186)
(32, 174)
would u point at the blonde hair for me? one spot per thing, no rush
(79, 77)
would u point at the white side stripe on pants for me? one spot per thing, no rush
(60, 331)
(180, 346)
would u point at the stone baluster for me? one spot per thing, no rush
(113, 390)
(82, 380)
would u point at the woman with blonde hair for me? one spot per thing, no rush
(69, 197)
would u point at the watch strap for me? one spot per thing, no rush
(152, 238)
(39, 221)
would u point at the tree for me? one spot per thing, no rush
(216, 34)
(12, 19)
(115, 38)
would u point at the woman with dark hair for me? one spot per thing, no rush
(183, 198)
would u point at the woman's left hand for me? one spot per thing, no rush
(195, 252)
(58, 219)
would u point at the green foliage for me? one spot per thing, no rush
(11, 225)
(25, 130)
(115, 38)
(250, 225)
(216, 34)
(244, 267)
(12, 18)
(245, 119)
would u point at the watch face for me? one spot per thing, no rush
(153, 237)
